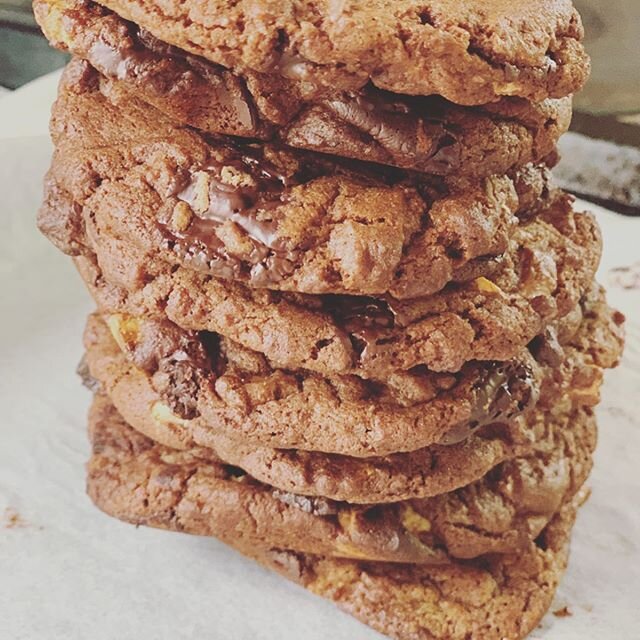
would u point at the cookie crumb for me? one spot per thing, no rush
(11, 519)
(563, 612)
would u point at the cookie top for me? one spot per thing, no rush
(571, 381)
(427, 134)
(273, 218)
(541, 280)
(470, 52)
(499, 514)
(188, 391)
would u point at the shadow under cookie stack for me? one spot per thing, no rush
(345, 322)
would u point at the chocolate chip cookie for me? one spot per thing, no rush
(166, 380)
(273, 218)
(427, 134)
(549, 270)
(570, 379)
(133, 479)
(501, 513)
(243, 396)
(469, 53)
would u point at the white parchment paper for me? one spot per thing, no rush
(69, 572)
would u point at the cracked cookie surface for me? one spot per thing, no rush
(272, 218)
(551, 267)
(468, 52)
(427, 134)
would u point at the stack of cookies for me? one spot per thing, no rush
(345, 322)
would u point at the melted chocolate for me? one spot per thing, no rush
(415, 131)
(309, 504)
(139, 61)
(502, 393)
(355, 313)
(405, 127)
(363, 318)
(178, 382)
(409, 128)
(546, 348)
(173, 359)
(249, 207)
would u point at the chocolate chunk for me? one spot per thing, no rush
(501, 394)
(546, 348)
(363, 317)
(178, 382)
(355, 313)
(404, 127)
(136, 57)
(244, 191)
